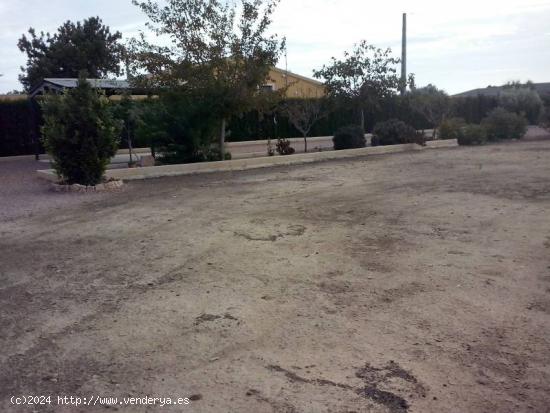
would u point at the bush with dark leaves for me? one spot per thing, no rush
(349, 137)
(501, 124)
(472, 135)
(394, 132)
(450, 128)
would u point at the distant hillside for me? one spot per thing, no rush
(542, 88)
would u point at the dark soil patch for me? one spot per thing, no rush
(212, 317)
(394, 403)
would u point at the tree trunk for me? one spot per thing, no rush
(129, 143)
(222, 141)
(363, 120)
(305, 143)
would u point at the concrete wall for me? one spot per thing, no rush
(252, 163)
(252, 149)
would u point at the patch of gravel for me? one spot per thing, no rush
(23, 193)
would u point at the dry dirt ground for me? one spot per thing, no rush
(415, 282)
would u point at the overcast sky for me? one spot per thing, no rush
(455, 45)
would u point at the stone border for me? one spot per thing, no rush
(442, 143)
(104, 187)
(252, 163)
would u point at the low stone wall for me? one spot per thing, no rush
(104, 187)
(442, 143)
(254, 149)
(250, 163)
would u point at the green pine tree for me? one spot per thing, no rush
(79, 133)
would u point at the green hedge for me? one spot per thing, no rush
(17, 129)
(19, 132)
(474, 108)
(253, 125)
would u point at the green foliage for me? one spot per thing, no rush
(349, 137)
(19, 133)
(220, 50)
(473, 108)
(472, 135)
(545, 118)
(304, 113)
(212, 154)
(501, 124)
(522, 101)
(362, 78)
(365, 70)
(180, 127)
(255, 125)
(283, 147)
(450, 128)
(80, 134)
(432, 103)
(393, 132)
(128, 111)
(86, 46)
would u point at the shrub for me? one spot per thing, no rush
(501, 124)
(472, 135)
(450, 128)
(80, 134)
(349, 137)
(523, 101)
(393, 132)
(283, 147)
(545, 118)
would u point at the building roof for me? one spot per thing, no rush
(541, 88)
(57, 84)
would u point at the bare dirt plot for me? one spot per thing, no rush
(23, 193)
(412, 282)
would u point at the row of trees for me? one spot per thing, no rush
(217, 55)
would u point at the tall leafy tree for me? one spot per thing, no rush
(362, 78)
(87, 45)
(218, 49)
